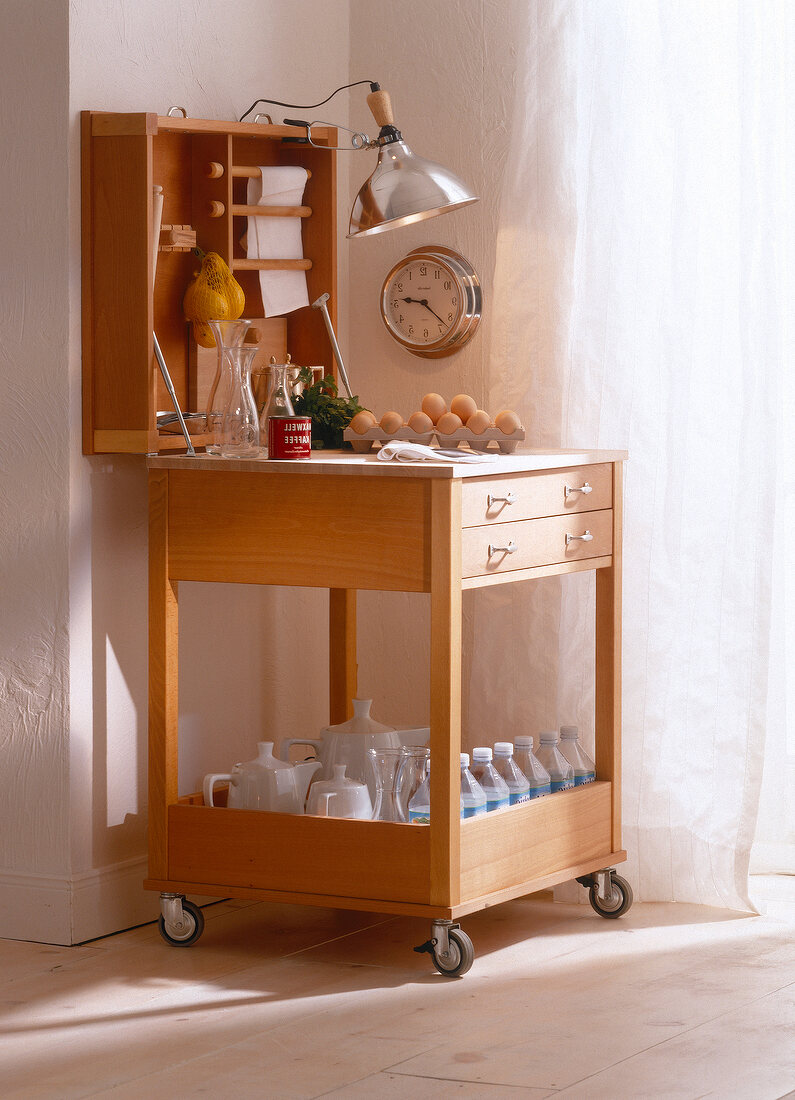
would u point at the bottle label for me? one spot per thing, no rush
(289, 437)
(583, 777)
(519, 796)
(561, 785)
(497, 804)
(474, 811)
(419, 817)
(541, 789)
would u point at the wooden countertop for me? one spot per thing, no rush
(368, 465)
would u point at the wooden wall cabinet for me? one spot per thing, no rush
(202, 167)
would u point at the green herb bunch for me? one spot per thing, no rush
(330, 413)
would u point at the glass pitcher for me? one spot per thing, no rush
(412, 773)
(387, 764)
(227, 334)
(240, 425)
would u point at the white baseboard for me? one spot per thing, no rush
(65, 910)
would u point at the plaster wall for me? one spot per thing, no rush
(34, 459)
(450, 70)
(73, 691)
(73, 663)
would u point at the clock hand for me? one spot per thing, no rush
(423, 302)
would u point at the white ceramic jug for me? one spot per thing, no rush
(339, 797)
(265, 783)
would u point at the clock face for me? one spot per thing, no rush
(430, 301)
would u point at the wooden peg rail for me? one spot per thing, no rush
(271, 265)
(217, 210)
(215, 171)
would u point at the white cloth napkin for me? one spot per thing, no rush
(417, 452)
(278, 238)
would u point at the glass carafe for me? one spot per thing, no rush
(412, 772)
(227, 334)
(279, 401)
(386, 765)
(240, 425)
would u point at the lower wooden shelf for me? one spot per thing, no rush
(382, 867)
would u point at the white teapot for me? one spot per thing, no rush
(348, 743)
(265, 783)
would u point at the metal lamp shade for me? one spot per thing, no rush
(405, 188)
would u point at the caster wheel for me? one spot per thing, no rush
(460, 956)
(192, 926)
(618, 902)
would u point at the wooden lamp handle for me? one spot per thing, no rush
(381, 106)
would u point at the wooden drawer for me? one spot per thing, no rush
(536, 494)
(537, 542)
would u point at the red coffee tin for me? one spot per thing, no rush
(289, 437)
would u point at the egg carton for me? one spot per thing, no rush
(362, 442)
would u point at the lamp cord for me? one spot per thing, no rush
(374, 87)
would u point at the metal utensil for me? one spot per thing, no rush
(321, 305)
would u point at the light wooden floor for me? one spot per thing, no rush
(670, 1001)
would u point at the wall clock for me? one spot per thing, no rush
(431, 301)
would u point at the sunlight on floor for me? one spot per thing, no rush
(673, 1001)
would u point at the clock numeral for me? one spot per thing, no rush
(425, 333)
(400, 319)
(423, 271)
(395, 304)
(437, 274)
(453, 301)
(400, 286)
(441, 328)
(447, 284)
(449, 316)
(411, 330)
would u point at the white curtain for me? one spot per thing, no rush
(642, 299)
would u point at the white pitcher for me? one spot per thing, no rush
(265, 783)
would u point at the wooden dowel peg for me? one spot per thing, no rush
(271, 265)
(177, 238)
(215, 170)
(245, 171)
(272, 211)
(216, 209)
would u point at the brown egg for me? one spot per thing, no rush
(463, 405)
(479, 421)
(362, 421)
(391, 422)
(448, 423)
(434, 406)
(507, 421)
(420, 423)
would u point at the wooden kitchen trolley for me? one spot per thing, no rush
(351, 522)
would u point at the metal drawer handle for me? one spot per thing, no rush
(587, 537)
(510, 499)
(511, 548)
(585, 488)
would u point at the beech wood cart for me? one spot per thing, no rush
(353, 522)
(344, 522)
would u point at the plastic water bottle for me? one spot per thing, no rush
(513, 775)
(473, 797)
(537, 774)
(498, 797)
(572, 750)
(420, 801)
(561, 773)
